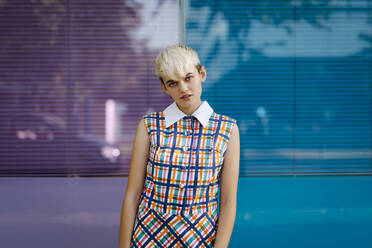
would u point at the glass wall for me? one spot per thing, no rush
(76, 78)
(297, 77)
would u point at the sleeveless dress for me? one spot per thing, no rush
(178, 206)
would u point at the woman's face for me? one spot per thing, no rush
(186, 89)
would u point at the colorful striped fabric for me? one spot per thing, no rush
(178, 207)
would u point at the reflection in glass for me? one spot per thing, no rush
(62, 62)
(296, 75)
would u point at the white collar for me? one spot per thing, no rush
(172, 113)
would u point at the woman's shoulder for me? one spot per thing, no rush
(150, 119)
(223, 118)
(152, 115)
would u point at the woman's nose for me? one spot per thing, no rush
(183, 86)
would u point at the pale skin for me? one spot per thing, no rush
(189, 83)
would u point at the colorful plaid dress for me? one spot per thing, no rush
(178, 206)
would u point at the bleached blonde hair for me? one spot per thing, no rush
(174, 60)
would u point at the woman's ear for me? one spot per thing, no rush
(203, 73)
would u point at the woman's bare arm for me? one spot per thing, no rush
(229, 187)
(135, 184)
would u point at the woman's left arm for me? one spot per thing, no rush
(229, 187)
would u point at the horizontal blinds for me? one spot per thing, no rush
(76, 78)
(296, 75)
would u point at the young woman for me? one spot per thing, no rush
(182, 156)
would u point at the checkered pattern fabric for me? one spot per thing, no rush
(178, 207)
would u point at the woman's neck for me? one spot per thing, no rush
(188, 110)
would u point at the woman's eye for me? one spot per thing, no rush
(172, 84)
(188, 78)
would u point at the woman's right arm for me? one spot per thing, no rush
(136, 179)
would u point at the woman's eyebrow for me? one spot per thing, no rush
(170, 81)
(173, 81)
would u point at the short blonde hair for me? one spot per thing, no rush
(174, 60)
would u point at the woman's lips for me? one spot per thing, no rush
(186, 97)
